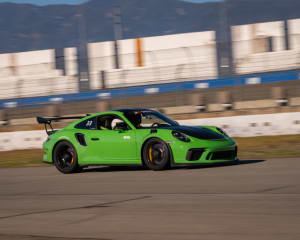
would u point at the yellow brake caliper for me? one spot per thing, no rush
(72, 161)
(150, 154)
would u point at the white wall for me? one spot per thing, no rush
(253, 125)
(294, 31)
(193, 54)
(5, 65)
(272, 29)
(237, 126)
(35, 62)
(243, 36)
(178, 40)
(176, 57)
(183, 49)
(100, 58)
(269, 61)
(249, 42)
(34, 74)
(71, 61)
(27, 63)
(22, 140)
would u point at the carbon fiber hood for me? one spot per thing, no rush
(196, 132)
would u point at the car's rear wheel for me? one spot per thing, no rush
(65, 158)
(156, 154)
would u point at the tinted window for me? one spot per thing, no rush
(147, 119)
(110, 122)
(90, 123)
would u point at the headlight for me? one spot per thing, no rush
(180, 136)
(223, 132)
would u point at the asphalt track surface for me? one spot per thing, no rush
(256, 199)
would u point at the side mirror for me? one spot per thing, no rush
(121, 126)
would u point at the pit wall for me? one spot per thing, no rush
(237, 126)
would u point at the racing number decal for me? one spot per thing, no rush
(89, 123)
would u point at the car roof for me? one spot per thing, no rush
(126, 110)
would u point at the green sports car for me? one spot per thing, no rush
(133, 137)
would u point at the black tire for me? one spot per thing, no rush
(65, 158)
(156, 154)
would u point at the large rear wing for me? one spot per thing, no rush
(48, 121)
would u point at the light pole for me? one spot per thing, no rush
(118, 33)
(82, 55)
(225, 60)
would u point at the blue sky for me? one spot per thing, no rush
(46, 2)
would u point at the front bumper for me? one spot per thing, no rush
(201, 152)
(229, 154)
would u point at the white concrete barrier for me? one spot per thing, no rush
(260, 47)
(5, 65)
(22, 140)
(294, 31)
(253, 125)
(237, 126)
(33, 73)
(244, 36)
(166, 58)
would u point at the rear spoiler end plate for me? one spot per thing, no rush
(48, 121)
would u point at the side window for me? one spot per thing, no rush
(110, 122)
(90, 123)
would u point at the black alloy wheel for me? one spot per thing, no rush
(65, 158)
(156, 154)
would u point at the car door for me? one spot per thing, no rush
(112, 146)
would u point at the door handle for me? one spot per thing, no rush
(95, 139)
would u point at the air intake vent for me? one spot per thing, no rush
(194, 154)
(224, 155)
(80, 138)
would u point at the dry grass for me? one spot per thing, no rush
(249, 148)
(21, 158)
(283, 146)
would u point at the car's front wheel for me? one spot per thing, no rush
(65, 157)
(156, 154)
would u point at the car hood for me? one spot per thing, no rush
(196, 132)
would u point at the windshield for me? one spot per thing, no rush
(149, 119)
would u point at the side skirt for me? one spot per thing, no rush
(113, 165)
(51, 163)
